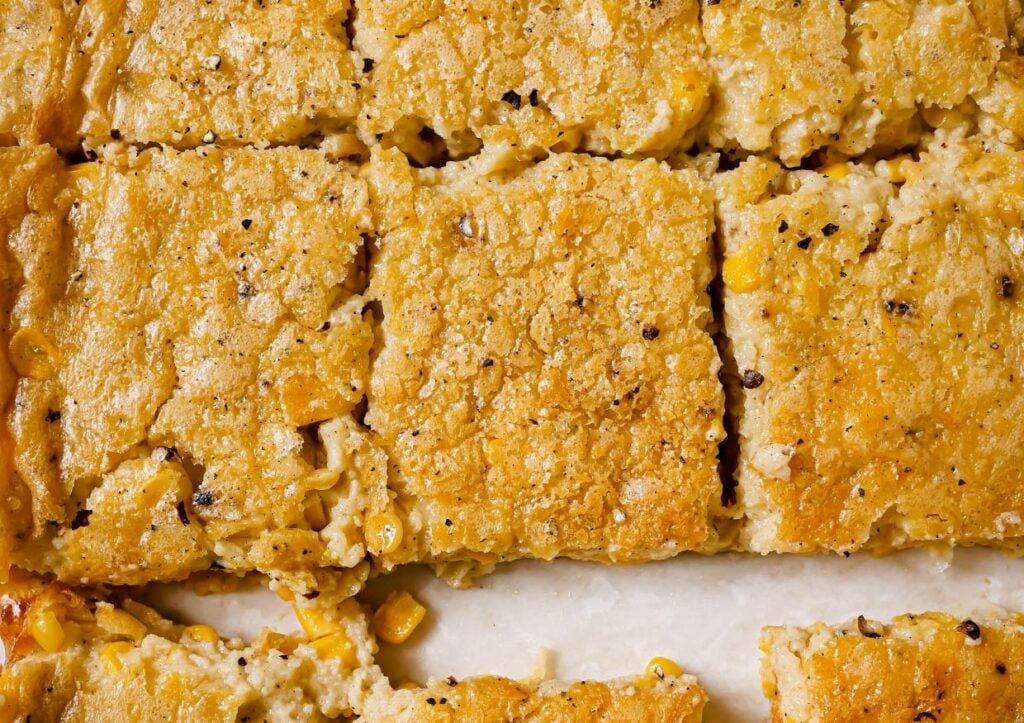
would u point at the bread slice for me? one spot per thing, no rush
(545, 382)
(926, 667)
(604, 76)
(189, 346)
(874, 314)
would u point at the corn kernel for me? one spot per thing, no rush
(740, 273)
(398, 617)
(163, 482)
(336, 645)
(286, 594)
(896, 169)
(111, 654)
(202, 633)
(46, 630)
(315, 624)
(384, 533)
(119, 622)
(32, 354)
(836, 171)
(664, 668)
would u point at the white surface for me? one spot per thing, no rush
(600, 622)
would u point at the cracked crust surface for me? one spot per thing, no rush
(189, 345)
(450, 66)
(878, 326)
(928, 667)
(791, 77)
(546, 383)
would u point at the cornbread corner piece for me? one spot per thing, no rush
(189, 344)
(875, 326)
(928, 667)
(603, 75)
(37, 35)
(791, 77)
(70, 655)
(187, 72)
(663, 697)
(546, 384)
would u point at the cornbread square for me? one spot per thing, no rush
(75, 655)
(545, 382)
(791, 77)
(641, 698)
(602, 75)
(189, 344)
(234, 72)
(37, 35)
(875, 325)
(928, 667)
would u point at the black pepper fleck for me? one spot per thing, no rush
(862, 626)
(513, 99)
(1000, 668)
(202, 498)
(53, 415)
(487, 362)
(81, 519)
(1006, 287)
(969, 628)
(752, 379)
(829, 228)
(246, 223)
(534, 98)
(650, 332)
(367, 65)
(925, 715)
(804, 243)
(783, 227)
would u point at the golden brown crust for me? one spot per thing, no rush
(546, 383)
(604, 75)
(930, 667)
(72, 656)
(791, 77)
(496, 700)
(175, 71)
(880, 326)
(201, 333)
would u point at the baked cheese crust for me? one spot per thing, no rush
(189, 345)
(74, 656)
(875, 327)
(930, 667)
(791, 77)
(603, 75)
(545, 382)
(489, 699)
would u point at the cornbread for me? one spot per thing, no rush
(601, 75)
(862, 75)
(189, 343)
(928, 667)
(545, 382)
(875, 326)
(675, 698)
(74, 656)
(37, 36)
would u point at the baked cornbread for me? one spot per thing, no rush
(73, 656)
(874, 314)
(37, 36)
(654, 697)
(545, 382)
(929, 667)
(602, 75)
(181, 73)
(189, 345)
(862, 75)
(187, 72)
